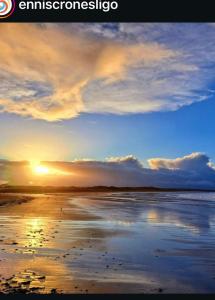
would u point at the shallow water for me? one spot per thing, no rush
(109, 242)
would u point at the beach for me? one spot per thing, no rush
(120, 242)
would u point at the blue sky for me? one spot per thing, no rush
(107, 90)
(161, 134)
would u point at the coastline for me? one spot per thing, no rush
(73, 189)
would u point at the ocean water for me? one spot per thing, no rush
(110, 242)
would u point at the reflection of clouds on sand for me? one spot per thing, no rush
(178, 209)
(115, 208)
(63, 246)
(155, 217)
(190, 211)
(111, 242)
(122, 223)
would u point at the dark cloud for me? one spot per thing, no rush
(192, 171)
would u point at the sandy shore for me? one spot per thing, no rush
(107, 243)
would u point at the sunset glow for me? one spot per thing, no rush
(41, 170)
(107, 161)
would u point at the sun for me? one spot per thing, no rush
(41, 170)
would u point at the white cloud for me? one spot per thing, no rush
(167, 85)
(57, 71)
(46, 68)
(194, 161)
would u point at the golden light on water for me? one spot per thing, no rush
(35, 228)
(153, 216)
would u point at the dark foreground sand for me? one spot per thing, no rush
(107, 243)
(11, 199)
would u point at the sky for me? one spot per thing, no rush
(82, 98)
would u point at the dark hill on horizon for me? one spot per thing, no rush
(73, 189)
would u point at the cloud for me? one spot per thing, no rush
(194, 161)
(191, 171)
(167, 85)
(44, 69)
(58, 71)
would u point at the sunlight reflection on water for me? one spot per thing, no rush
(112, 242)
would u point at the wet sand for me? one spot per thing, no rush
(107, 243)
